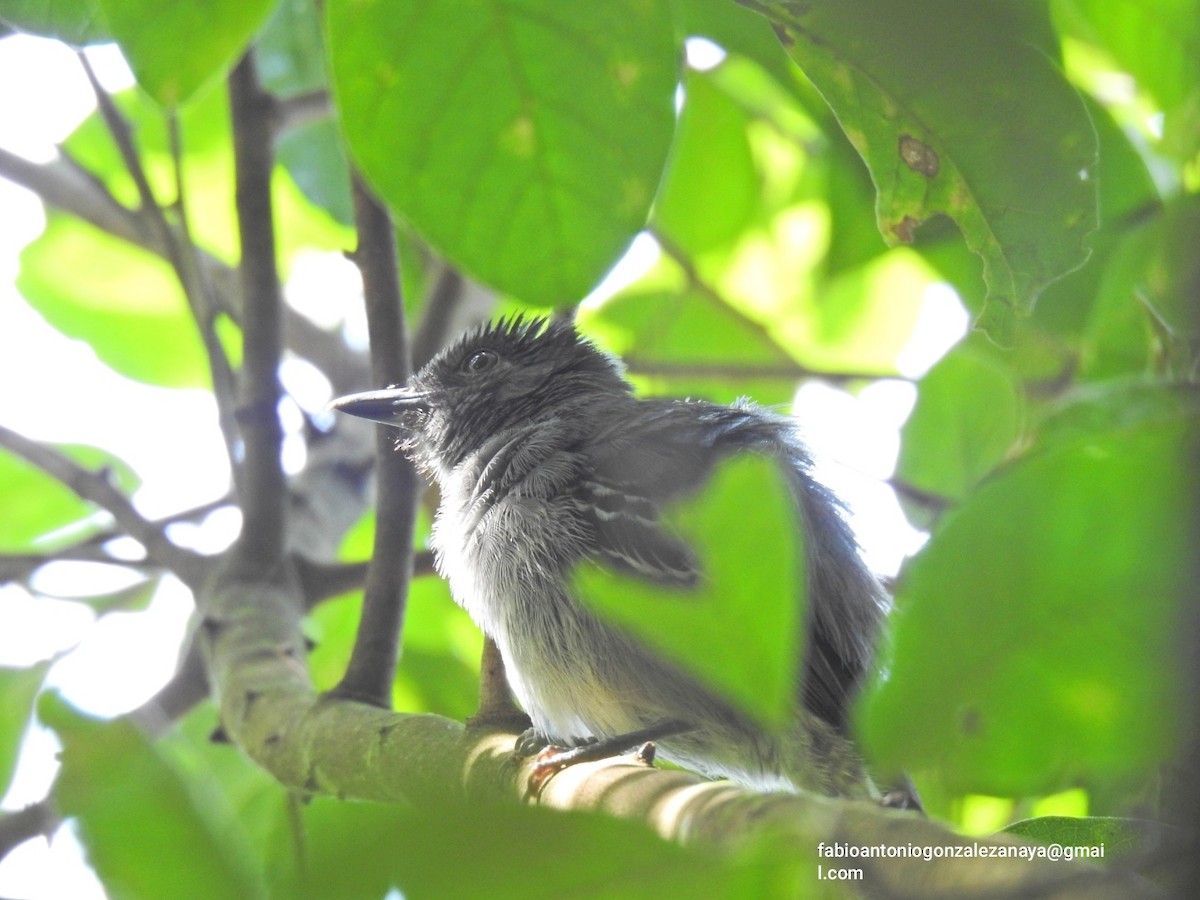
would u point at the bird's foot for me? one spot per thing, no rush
(550, 757)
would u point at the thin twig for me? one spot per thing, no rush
(185, 689)
(15, 566)
(303, 109)
(702, 287)
(707, 291)
(64, 186)
(198, 286)
(122, 136)
(376, 651)
(263, 487)
(20, 826)
(321, 581)
(784, 371)
(177, 248)
(936, 504)
(439, 312)
(96, 487)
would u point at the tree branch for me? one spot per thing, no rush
(376, 650)
(347, 749)
(189, 567)
(263, 497)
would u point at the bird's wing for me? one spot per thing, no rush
(630, 538)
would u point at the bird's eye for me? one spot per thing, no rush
(480, 360)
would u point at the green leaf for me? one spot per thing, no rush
(125, 302)
(147, 830)
(956, 113)
(1169, 285)
(1115, 837)
(524, 140)
(696, 210)
(676, 343)
(1143, 297)
(207, 175)
(18, 689)
(862, 318)
(314, 157)
(1035, 636)
(512, 852)
(290, 53)
(1114, 406)
(737, 632)
(737, 30)
(134, 598)
(75, 22)
(177, 48)
(37, 504)
(1158, 43)
(1126, 193)
(966, 420)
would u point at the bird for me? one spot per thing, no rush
(545, 460)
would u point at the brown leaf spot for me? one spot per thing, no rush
(918, 156)
(906, 229)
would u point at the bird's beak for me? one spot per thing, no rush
(403, 407)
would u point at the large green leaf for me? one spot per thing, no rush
(147, 829)
(738, 631)
(956, 113)
(525, 140)
(1035, 640)
(1114, 405)
(177, 48)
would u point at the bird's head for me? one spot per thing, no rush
(513, 373)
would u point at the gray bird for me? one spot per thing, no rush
(545, 459)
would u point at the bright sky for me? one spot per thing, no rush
(113, 665)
